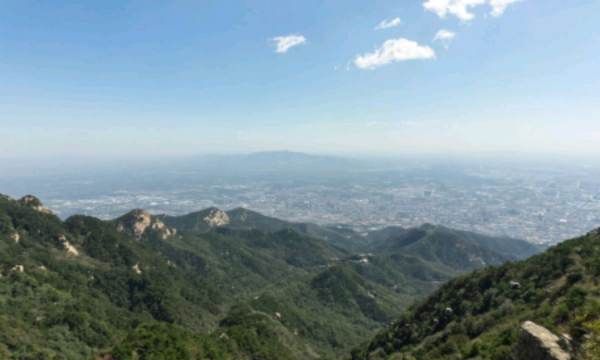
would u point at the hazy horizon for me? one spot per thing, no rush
(20, 165)
(543, 200)
(181, 105)
(299, 180)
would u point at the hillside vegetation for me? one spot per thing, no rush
(478, 316)
(208, 285)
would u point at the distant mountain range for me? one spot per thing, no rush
(214, 284)
(272, 163)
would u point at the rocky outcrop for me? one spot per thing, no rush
(217, 218)
(34, 203)
(538, 343)
(71, 250)
(136, 222)
(18, 268)
(163, 230)
(139, 223)
(15, 237)
(136, 268)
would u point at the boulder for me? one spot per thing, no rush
(538, 343)
(15, 237)
(136, 268)
(18, 268)
(515, 284)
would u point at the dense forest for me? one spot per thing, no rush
(480, 315)
(214, 284)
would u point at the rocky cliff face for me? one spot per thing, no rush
(71, 250)
(139, 223)
(216, 218)
(538, 343)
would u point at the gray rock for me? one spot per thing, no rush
(538, 343)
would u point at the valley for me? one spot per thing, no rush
(299, 180)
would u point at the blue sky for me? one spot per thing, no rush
(153, 78)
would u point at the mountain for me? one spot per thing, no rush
(211, 284)
(454, 250)
(428, 239)
(244, 219)
(275, 161)
(545, 307)
(138, 223)
(278, 164)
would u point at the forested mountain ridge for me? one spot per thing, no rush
(238, 286)
(454, 249)
(381, 240)
(245, 219)
(487, 314)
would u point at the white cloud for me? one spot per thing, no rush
(462, 8)
(284, 43)
(499, 6)
(394, 50)
(458, 8)
(445, 37)
(388, 23)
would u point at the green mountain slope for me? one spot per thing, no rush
(244, 219)
(77, 288)
(478, 316)
(454, 249)
(215, 285)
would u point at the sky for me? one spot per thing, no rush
(167, 78)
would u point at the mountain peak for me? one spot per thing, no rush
(241, 214)
(34, 203)
(139, 222)
(429, 227)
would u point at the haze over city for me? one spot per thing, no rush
(490, 106)
(300, 180)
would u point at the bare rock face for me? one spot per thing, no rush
(34, 203)
(217, 218)
(139, 222)
(18, 268)
(136, 222)
(136, 268)
(15, 237)
(538, 343)
(71, 250)
(163, 230)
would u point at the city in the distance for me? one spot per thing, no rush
(300, 180)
